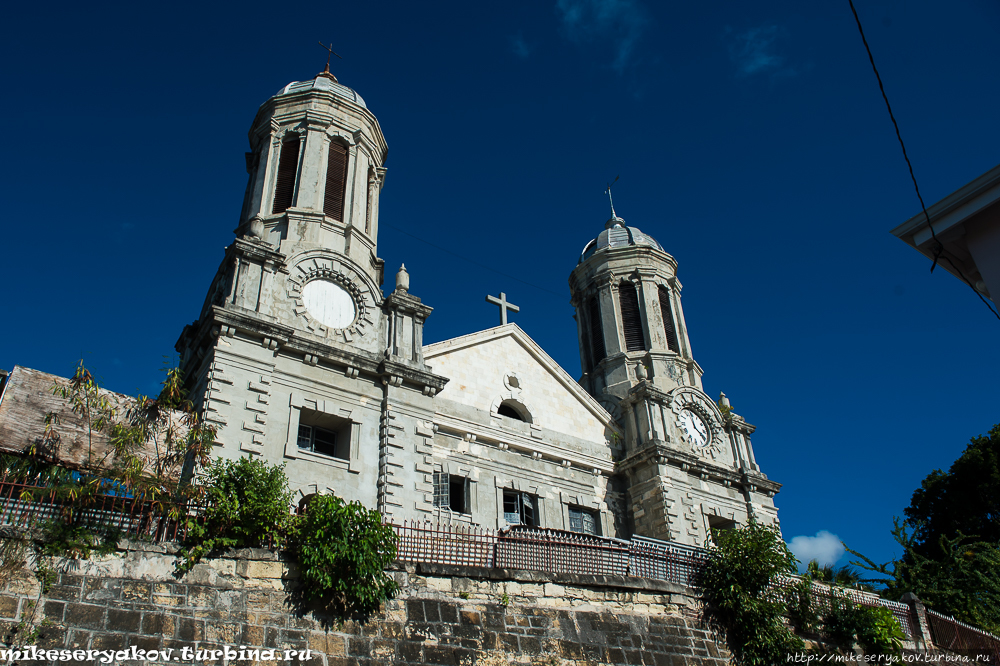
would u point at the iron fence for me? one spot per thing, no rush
(533, 549)
(26, 505)
(949, 634)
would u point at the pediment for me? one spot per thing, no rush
(504, 363)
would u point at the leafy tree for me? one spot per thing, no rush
(965, 499)
(962, 580)
(248, 504)
(844, 576)
(343, 550)
(127, 428)
(741, 595)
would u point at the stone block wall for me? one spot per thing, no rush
(131, 602)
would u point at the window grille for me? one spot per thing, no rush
(336, 182)
(288, 166)
(442, 489)
(631, 319)
(582, 520)
(668, 319)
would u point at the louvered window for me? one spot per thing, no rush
(336, 182)
(628, 299)
(596, 330)
(668, 319)
(288, 165)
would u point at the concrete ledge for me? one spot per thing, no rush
(522, 576)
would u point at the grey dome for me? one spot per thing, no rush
(617, 234)
(323, 82)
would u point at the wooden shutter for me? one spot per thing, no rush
(668, 320)
(596, 330)
(288, 165)
(336, 182)
(628, 299)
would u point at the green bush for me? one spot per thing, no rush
(343, 550)
(248, 505)
(741, 597)
(872, 627)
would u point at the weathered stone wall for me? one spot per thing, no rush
(443, 615)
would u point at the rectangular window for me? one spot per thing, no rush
(583, 520)
(520, 508)
(321, 440)
(451, 491)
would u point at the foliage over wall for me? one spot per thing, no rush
(744, 602)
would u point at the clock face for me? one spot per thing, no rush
(329, 303)
(694, 427)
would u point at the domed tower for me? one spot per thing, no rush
(686, 461)
(629, 317)
(296, 352)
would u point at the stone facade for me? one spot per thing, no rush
(442, 616)
(297, 356)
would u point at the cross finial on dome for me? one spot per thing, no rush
(614, 216)
(609, 196)
(326, 72)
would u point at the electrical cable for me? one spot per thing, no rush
(939, 250)
(475, 263)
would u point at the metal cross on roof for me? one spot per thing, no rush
(332, 53)
(612, 201)
(504, 306)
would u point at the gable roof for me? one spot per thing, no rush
(514, 333)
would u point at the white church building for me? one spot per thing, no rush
(299, 357)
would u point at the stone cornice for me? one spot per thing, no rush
(408, 304)
(228, 322)
(662, 454)
(524, 444)
(260, 250)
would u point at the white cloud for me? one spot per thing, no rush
(519, 47)
(620, 22)
(825, 548)
(753, 51)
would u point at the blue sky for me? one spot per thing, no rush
(750, 138)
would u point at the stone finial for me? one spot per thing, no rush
(402, 279)
(255, 227)
(724, 401)
(640, 371)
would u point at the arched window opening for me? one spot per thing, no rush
(336, 182)
(596, 330)
(514, 410)
(668, 319)
(628, 299)
(288, 166)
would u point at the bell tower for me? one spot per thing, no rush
(296, 355)
(628, 312)
(686, 461)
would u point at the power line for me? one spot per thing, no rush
(939, 250)
(474, 262)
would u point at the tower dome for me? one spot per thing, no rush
(617, 234)
(323, 81)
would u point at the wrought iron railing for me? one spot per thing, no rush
(533, 549)
(949, 634)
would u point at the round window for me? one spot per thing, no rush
(329, 303)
